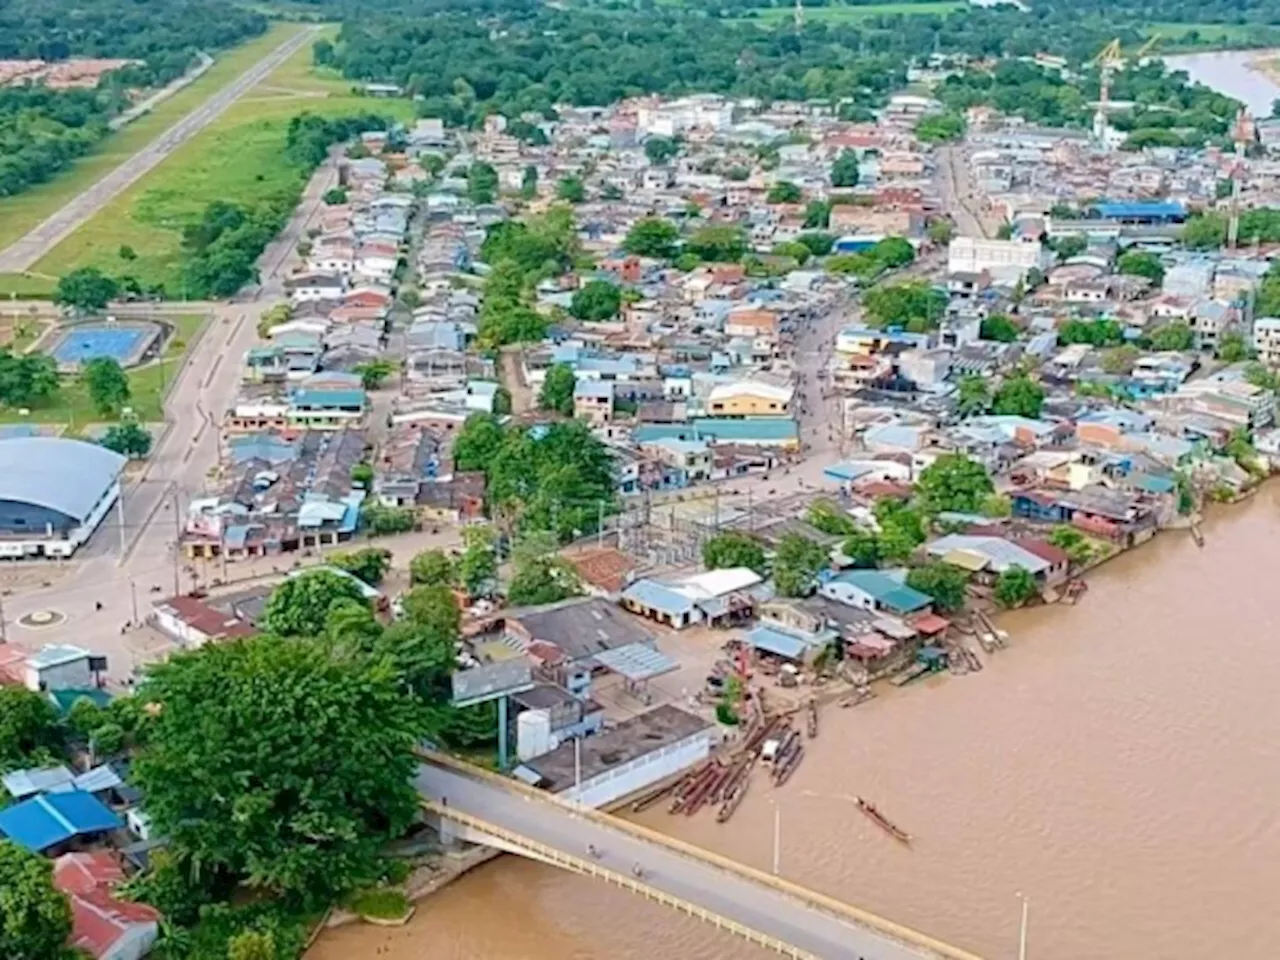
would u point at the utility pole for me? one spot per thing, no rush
(177, 542)
(120, 521)
(4, 636)
(1022, 932)
(777, 839)
(600, 526)
(133, 599)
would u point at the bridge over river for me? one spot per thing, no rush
(482, 807)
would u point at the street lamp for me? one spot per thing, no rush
(1022, 930)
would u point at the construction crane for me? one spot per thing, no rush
(1110, 59)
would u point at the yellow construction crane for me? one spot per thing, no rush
(1110, 59)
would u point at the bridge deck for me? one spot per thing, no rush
(733, 895)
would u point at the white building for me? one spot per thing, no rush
(1266, 340)
(1007, 260)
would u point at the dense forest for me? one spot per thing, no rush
(464, 68)
(163, 34)
(43, 131)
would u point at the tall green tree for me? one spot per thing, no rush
(1014, 587)
(432, 568)
(557, 389)
(784, 191)
(1019, 396)
(942, 582)
(652, 237)
(29, 733)
(87, 288)
(128, 439)
(596, 301)
(796, 564)
(734, 549)
(283, 763)
(369, 564)
(571, 190)
(844, 172)
(107, 384)
(300, 606)
(955, 483)
(27, 379)
(973, 396)
(35, 916)
(478, 565)
(1140, 263)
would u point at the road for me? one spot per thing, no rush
(23, 254)
(734, 896)
(160, 96)
(957, 192)
(176, 471)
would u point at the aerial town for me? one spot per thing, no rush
(610, 462)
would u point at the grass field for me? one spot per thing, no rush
(1209, 35)
(19, 214)
(236, 158)
(843, 13)
(147, 385)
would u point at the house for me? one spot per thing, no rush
(315, 286)
(56, 820)
(1006, 260)
(328, 401)
(568, 636)
(52, 668)
(193, 622)
(104, 927)
(875, 590)
(593, 400)
(994, 555)
(751, 322)
(715, 597)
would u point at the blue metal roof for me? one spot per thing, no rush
(657, 596)
(1140, 208)
(778, 643)
(885, 589)
(48, 820)
(69, 476)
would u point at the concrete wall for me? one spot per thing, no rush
(642, 772)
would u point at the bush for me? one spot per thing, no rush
(381, 903)
(726, 714)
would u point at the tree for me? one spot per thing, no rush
(724, 244)
(1097, 333)
(1233, 347)
(1120, 360)
(659, 150)
(1000, 328)
(796, 564)
(817, 215)
(284, 764)
(1020, 397)
(862, 547)
(794, 249)
(127, 252)
(996, 505)
(434, 609)
(478, 565)
(529, 182)
(902, 529)
(300, 606)
(651, 237)
(734, 549)
(597, 300)
(819, 244)
(1173, 336)
(545, 579)
(27, 379)
(335, 196)
(571, 190)
(107, 383)
(374, 373)
(35, 916)
(1070, 246)
(830, 518)
(1139, 263)
(912, 304)
(973, 396)
(940, 127)
(557, 389)
(954, 483)
(941, 581)
(941, 231)
(252, 945)
(369, 565)
(432, 568)
(1071, 542)
(87, 288)
(844, 172)
(482, 183)
(128, 439)
(894, 252)
(28, 728)
(362, 475)
(784, 191)
(382, 520)
(1014, 587)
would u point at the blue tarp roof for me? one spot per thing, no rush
(46, 821)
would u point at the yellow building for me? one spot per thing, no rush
(750, 398)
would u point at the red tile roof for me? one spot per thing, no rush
(98, 919)
(84, 872)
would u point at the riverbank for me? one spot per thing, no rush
(1132, 730)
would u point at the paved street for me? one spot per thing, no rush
(730, 895)
(23, 254)
(176, 471)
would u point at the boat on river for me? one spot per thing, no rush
(881, 821)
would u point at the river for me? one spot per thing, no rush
(1118, 764)
(1232, 72)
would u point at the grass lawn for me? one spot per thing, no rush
(380, 903)
(843, 13)
(147, 385)
(19, 214)
(26, 286)
(236, 158)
